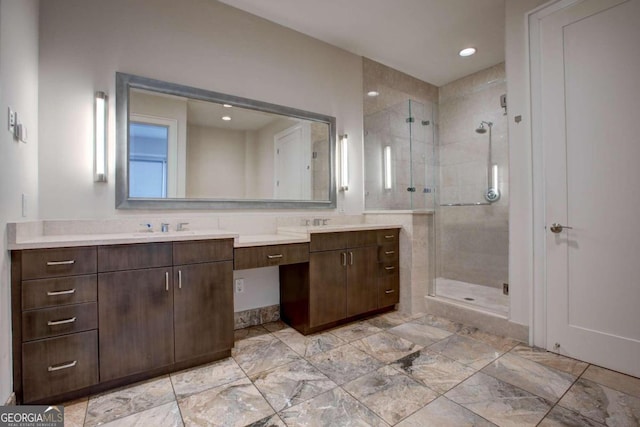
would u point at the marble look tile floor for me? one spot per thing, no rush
(388, 370)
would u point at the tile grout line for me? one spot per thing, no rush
(177, 402)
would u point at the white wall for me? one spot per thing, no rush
(213, 153)
(200, 43)
(18, 161)
(520, 182)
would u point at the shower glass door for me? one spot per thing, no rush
(399, 156)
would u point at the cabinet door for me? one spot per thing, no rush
(327, 287)
(203, 309)
(362, 280)
(136, 321)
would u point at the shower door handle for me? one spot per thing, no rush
(557, 228)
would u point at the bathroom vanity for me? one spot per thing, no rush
(96, 313)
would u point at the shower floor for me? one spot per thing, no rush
(481, 296)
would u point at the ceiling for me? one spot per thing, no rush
(421, 38)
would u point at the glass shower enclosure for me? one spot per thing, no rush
(400, 157)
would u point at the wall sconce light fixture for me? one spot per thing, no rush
(100, 137)
(388, 183)
(344, 162)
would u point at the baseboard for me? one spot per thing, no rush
(11, 401)
(256, 316)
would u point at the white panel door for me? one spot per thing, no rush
(590, 110)
(292, 171)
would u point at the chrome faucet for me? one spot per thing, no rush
(180, 226)
(164, 227)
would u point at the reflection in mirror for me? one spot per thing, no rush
(186, 145)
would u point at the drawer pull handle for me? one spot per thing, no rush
(389, 252)
(56, 293)
(166, 281)
(389, 236)
(389, 268)
(389, 291)
(68, 262)
(61, 322)
(179, 279)
(275, 256)
(63, 366)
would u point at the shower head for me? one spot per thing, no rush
(481, 129)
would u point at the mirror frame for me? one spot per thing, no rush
(124, 82)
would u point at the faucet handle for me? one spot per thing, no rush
(181, 225)
(147, 227)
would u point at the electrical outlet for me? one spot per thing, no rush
(239, 285)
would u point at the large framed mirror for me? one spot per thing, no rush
(180, 147)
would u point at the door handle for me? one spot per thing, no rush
(179, 279)
(557, 228)
(344, 258)
(350, 258)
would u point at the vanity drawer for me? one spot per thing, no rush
(43, 263)
(59, 365)
(388, 253)
(390, 235)
(267, 256)
(194, 252)
(41, 293)
(50, 322)
(341, 240)
(388, 290)
(389, 268)
(131, 257)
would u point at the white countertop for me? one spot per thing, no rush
(69, 240)
(284, 235)
(247, 240)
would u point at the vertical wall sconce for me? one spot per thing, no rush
(344, 162)
(100, 137)
(388, 184)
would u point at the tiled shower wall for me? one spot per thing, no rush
(472, 241)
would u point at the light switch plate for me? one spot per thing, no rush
(12, 121)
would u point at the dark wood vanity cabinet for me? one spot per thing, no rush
(348, 276)
(202, 299)
(87, 319)
(54, 316)
(166, 315)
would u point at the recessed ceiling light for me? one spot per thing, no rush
(227, 105)
(226, 118)
(467, 51)
(373, 93)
